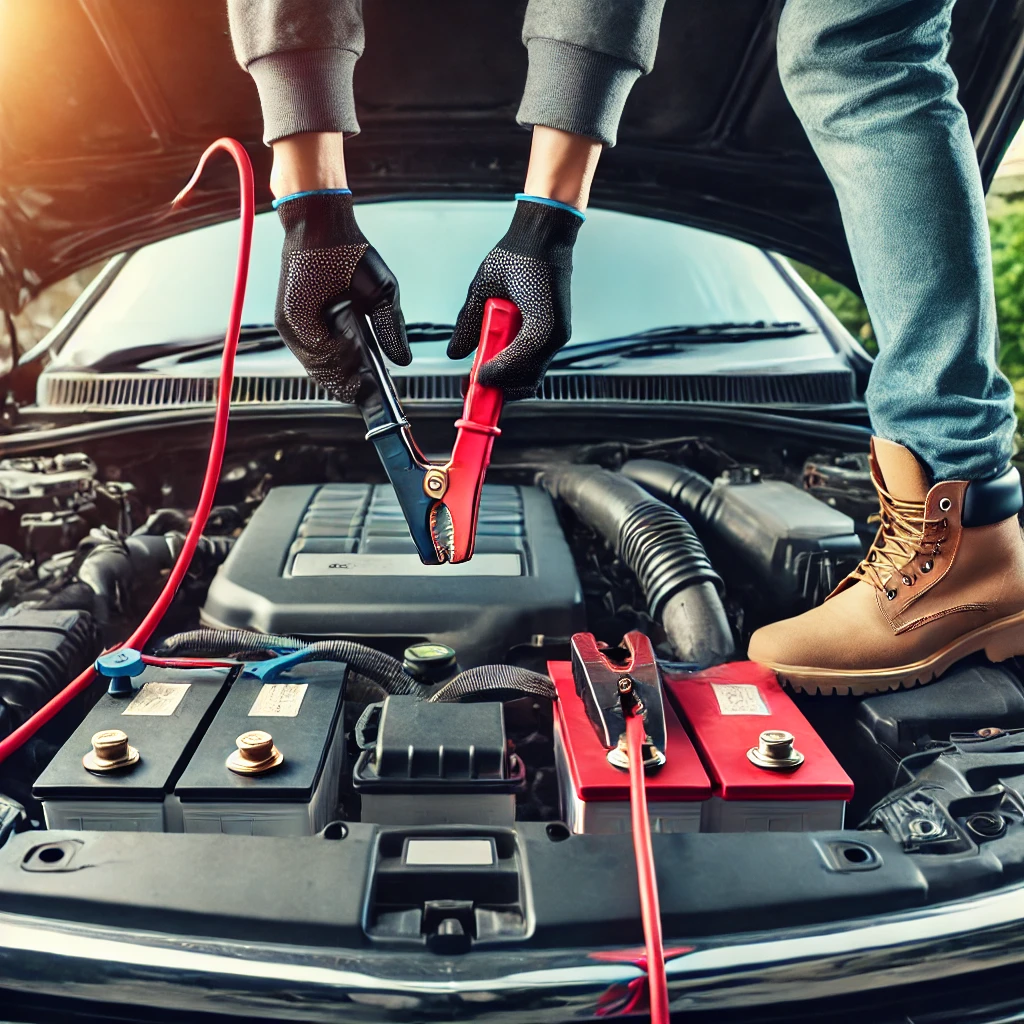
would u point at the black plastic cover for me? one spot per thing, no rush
(971, 696)
(195, 884)
(41, 651)
(337, 561)
(783, 537)
(959, 806)
(425, 746)
(581, 890)
(446, 901)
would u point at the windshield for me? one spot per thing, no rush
(631, 274)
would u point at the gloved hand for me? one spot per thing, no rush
(531, 266)
(326, 258)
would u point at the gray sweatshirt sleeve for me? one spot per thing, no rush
(585, 56)
(301, 54)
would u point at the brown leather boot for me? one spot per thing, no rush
(944, 578)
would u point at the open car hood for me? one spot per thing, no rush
(105, 106)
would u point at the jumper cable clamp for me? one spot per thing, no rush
(615, 684)
(440, 501)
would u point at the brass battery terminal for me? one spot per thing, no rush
(632, 705)
(110, 752)
(255, 753)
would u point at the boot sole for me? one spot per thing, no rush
(999, 640)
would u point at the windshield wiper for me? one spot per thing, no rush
(252, 338)
(426, 331)
(664, 340)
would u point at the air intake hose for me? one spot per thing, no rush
(659, 546)
(678, 486)
(107, 566)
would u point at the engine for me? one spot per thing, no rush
(340, 679)
(336, 560)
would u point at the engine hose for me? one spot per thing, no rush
(383, 673)
(215, 460)
(660, 548)
(109, 565)
(494, 682)
(678, 486)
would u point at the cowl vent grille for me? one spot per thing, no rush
(90, 392)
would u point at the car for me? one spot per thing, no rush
(346, 785)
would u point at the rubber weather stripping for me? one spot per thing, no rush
(145, 629)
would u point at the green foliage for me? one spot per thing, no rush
(847, 306)
(1007, 230)
(1006, 223)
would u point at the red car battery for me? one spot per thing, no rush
(770, 770)
(595, 794)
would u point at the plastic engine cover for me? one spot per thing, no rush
(336, 560)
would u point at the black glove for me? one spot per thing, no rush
(326, 258)
(532, 266)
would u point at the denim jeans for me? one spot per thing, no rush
(870, 82)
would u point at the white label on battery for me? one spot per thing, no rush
(278, 700)
(449, 852)
(739, 699)
(157, 699)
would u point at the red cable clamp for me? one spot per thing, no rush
(440, 500)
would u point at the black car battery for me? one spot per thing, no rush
(271, 760)
(118, 769)
(437, 764)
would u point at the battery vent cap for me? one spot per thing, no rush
(119, 666)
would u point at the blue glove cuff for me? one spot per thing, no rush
(313, 192)
(544, 201)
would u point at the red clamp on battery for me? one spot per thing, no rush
(594, 791)
(770, 770)
(597, 673)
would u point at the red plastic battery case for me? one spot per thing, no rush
(595, 794)
(726, 709)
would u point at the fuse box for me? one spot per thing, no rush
(438, 764)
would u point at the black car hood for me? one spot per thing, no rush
(105, 106)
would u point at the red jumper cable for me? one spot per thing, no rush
(145, 629)
(650, 908)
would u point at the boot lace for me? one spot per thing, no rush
(904, 534)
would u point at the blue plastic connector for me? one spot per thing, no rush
(273, 667)
(119, 666)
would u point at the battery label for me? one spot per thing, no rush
(157, 699)
(278, 700)
(739, 699)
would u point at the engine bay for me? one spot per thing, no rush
(313, 678)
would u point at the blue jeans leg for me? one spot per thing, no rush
(870, 82)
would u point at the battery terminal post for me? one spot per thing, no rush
(633, 707)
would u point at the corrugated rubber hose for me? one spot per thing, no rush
(659, 546)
